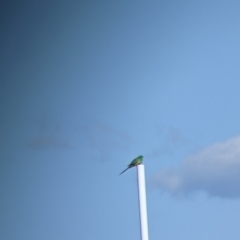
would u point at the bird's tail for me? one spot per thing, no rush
(124, 170)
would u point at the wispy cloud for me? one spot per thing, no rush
(47, 141)
(170, 138)
(47, 134)
(215, 170)
(105, 139)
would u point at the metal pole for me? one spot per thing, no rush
(142, 202)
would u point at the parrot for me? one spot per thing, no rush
(136, 161)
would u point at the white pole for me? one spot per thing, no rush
(142, 202)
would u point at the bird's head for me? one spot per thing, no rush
(140, 157)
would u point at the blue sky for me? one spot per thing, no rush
(88, 86)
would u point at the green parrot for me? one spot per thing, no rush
(136, 161)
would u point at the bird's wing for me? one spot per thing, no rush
(135, 162)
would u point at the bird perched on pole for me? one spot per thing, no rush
(136, 161)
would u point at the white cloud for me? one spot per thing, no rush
(215, 170)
